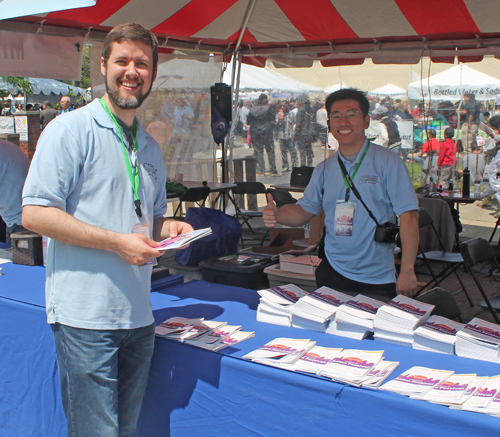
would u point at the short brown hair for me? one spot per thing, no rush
(130, 32)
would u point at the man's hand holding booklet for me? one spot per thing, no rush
(182, 240)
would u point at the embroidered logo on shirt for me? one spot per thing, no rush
(150, 168)
(369, 179)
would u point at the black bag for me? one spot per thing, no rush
(301, 176)
(226, 233)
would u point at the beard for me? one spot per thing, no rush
(124, 100)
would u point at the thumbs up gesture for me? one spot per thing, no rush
(270, 212)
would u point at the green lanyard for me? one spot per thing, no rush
(355, 170)
(132, 170)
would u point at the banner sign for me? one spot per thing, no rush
(7, 125)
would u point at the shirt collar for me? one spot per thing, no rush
(360, 154)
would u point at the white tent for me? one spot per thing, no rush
(255, 78)
(44, 86)
(389, 90)
(336, 87)
(451, 84)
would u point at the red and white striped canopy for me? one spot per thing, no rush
(296, 32)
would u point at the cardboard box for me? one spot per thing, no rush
(281, 240)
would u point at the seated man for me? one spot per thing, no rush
(354, 262)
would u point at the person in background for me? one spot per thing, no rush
(47, 114)
(65, 105)
(305, 130)
(14, 167)
(354, 262)
(430, 148)
(447, 158)
(322, 126)
(29, 107)
(96, 188)
(262, 120)
(471, 112)
(285, 122)
(8, 109)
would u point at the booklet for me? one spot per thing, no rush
(479, 340)
(378, 374)
(450, 391)
(316, 359)
(183, 239)
(482, 397)
(416, 380)
(352, 365)
(437, 334)
(176, 326)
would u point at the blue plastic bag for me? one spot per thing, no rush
(226, 233)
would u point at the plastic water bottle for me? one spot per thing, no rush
(432, 185)
(450, 185)
(477, 187)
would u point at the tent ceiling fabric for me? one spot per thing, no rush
(295, 32)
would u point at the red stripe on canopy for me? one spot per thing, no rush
(319, 21)
(431, 17)
(193, 17)
(94, 15)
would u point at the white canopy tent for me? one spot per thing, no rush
(45, 87)
(451, 84)
(389, 90)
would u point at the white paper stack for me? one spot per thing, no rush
(281, 352)
(354, 319)
(451, 391)
(183, 239)
(479, 340)
(437, 334)
(476, 385)
(315, 310)
(316, 359)
(213, 339)
(481, 399)
(398, 318)
(276, 304)
(493, 409)
(352, 366)
(235, 338)
(175, 327)
(380, 373)
(416, 380)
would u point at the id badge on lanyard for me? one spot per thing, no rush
(344, 218)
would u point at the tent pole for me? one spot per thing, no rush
(248, 14)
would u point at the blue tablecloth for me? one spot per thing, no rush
(193, 392)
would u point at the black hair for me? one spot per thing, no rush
(495, 122)
(348, 94)
(431, 133)
(449, 132)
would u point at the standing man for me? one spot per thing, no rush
(47, 114)
(471, 124)
(96, 187)
(354, 262)
(262, 120)
(14, 167)
(305, 130)
(65, 105)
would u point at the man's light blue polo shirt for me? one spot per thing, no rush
(79, 167)
(385, 186)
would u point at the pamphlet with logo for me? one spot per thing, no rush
(352, 365)
(483, 396)
(276, 304)
(183, 239)
(437, 334)
(175, 327)
(316, 359)
(416, 380)
(281, 352)
(378, 374)
(450, 391)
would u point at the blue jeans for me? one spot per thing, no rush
(103, 376)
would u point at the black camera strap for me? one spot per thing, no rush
(354, 189)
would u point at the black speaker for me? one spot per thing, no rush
(220, 98)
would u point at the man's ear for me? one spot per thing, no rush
(103, 66)
(367, 122)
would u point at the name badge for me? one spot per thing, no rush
(344, 218)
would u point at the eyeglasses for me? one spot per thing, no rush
(350, 114)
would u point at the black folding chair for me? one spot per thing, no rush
(450, 261)
(245, 215)
(196, 195)
(281, 197)
(444, 303)
(477, 251)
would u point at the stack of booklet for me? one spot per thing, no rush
(479, 340)
(484, 399)
(354, 319)
(451, 391)
(437, 334)
(352, 366)
(315, 310)
(281, 352)
(417, 380)
(398, 318)
(183, 239)
(207, 334)
(276, 304)
(378, 374)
